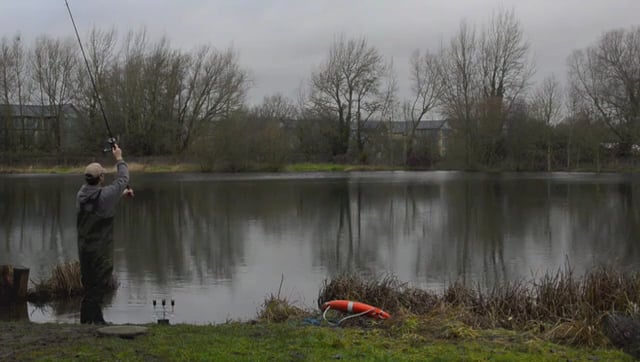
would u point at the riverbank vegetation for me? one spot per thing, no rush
(35, 167)
(471, 104)
(596, 310)
(596, 313)
(164, 166)
(559, 307)
(65, 282)
(189, 167)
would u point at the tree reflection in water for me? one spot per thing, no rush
(231, 237)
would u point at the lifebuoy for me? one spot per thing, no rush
(350, 306)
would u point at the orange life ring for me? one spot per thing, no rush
(350, 306)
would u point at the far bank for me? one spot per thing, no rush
(169, 165)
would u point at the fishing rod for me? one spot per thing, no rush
(111, 140)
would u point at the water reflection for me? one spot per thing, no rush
(219, 244)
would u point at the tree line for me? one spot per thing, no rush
(163, 101)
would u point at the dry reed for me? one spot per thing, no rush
(65, 282)
(276, 308)
(566, 308)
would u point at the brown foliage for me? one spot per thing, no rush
(65, 282)
(566, 308)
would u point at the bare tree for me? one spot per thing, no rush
(349, 86)
(7, 76)
(504, 57)
(546, 107)
(147, 82)
(506, 71)
(14, 84)
(54, 69)
(547, 101)
(13, 71)
(157, 97)
(426, 88)
(461, 86)
(271, 127)
(6, 81)
(7, 86)
(129, 103)
(161, 79)
(213, 86)
(101, 53)
(606, 77)
(485, 75)
(376, 98)
(276, 107)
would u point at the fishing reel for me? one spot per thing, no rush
(111, 144)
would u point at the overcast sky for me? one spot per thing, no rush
(282, 41)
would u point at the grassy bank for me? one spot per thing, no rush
(135, 166)
(292, 341)
(79, 169)
(164, 164)
(558, 317)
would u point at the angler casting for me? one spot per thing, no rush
(96, 209)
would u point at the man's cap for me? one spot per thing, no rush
(93, 170)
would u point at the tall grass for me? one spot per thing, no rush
(561, 306)
(65, 282)
(277, 308)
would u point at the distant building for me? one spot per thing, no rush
(433, 132)
(33, 127)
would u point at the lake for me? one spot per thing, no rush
(219, 244)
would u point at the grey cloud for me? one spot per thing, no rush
(281, 41)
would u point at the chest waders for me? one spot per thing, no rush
(95, 249)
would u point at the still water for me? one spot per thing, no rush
(219, 244)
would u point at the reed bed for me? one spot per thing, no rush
(560, 306)
(277, 308)
(65, 282)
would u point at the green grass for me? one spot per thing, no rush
(133, 167)
(178, 168)
(42, 170)
(295, 342)
(297, 167)
(187, 167)
(315, 167)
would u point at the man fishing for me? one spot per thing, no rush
(96, 206)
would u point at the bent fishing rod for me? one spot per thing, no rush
(112, 140)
